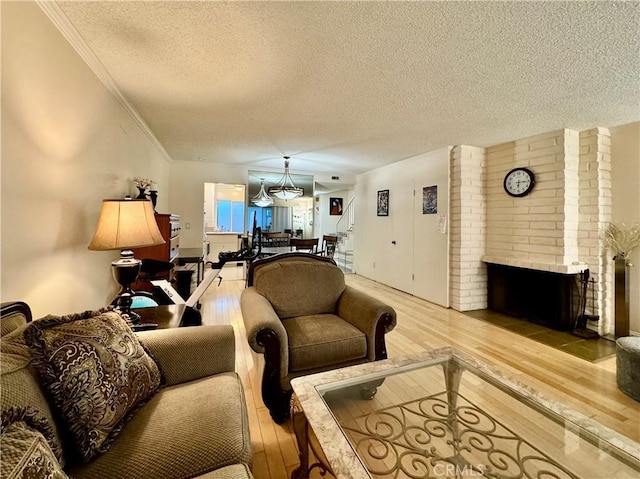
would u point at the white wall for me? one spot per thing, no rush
(67, 143)
(209, 201)
(418, 261)
(186, 188)
(625, 178)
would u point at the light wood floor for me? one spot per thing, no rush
(589, 388)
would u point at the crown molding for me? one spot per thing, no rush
(62, 23)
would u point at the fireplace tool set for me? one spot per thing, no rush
(580, 324)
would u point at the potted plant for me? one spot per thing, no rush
(622, 239)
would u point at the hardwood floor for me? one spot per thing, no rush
(589, 388)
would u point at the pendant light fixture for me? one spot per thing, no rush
(286, 190)
(262, 198)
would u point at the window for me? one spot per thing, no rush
(262, 216)
(230, 215)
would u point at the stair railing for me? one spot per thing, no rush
(347, 220)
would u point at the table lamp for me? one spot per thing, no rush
(126, 224)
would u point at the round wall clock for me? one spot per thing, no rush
(519, 182)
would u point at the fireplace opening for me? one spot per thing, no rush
(547, 298)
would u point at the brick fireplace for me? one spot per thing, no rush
(555, 229)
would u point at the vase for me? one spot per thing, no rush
(142, 195)
(153, 194)
(621, 311)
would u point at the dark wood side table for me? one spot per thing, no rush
(165, 316)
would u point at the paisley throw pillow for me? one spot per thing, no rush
(96, 372)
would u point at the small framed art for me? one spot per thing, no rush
(335, 206)
(383, 203)
(430, 200)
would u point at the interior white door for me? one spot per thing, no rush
(431, 238)
(401, 212)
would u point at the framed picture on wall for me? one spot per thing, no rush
(335, 206)
(430, 200)
(383, 203)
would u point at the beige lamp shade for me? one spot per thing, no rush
(126, 224)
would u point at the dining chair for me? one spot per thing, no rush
(309, 245)
(279, 238)
(329, 243)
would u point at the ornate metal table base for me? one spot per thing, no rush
(429, 439)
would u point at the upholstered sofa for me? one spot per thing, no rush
(301, 315)
(194, 425)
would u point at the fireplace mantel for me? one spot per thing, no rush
(548, 267)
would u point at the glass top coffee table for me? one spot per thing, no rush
(443, 414)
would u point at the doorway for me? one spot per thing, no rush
(224, 218)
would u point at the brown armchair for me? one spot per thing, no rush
(299, 313)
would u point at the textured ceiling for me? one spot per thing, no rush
(345, 87)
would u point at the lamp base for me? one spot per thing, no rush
(125, 271)
(123, 305)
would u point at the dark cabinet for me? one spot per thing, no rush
(169, 226)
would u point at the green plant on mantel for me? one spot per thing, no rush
(622, 239)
